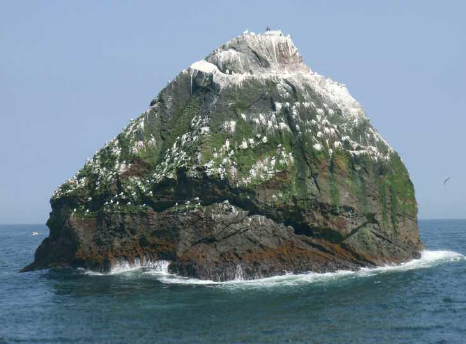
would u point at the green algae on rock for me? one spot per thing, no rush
(247, 165)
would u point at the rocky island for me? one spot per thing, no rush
(247, 165)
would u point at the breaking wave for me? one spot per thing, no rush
(428, 259)
(159, 266)
(159, 269)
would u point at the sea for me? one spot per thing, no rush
(421, 301)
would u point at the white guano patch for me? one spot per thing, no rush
(229, 126)
(205, 66)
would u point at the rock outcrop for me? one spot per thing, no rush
(249, 165)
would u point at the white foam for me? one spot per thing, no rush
(159, 266)
(159, 269)
(428, 259)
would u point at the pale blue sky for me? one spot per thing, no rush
(72, 74)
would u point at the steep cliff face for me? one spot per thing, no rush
(247, 164)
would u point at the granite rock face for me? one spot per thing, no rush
(247, 165)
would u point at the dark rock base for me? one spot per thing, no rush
(217, 242)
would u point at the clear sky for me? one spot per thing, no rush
(72, 74)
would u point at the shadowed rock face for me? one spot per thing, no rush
(247, 165)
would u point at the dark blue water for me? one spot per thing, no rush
(421, 302)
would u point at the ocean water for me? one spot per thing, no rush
(422, 301)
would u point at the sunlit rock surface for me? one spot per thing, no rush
(247, 165)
